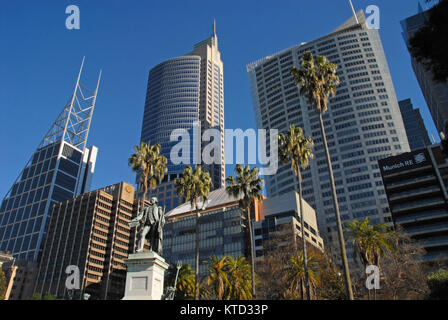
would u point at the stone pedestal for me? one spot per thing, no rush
(144, 278)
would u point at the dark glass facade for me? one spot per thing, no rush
(222, 232)
(52, 175)
(414, 125)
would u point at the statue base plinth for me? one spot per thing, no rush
(144, 278)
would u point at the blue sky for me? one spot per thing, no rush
(40, 58)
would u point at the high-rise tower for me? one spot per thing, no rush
(186, 92)
(414, 125)
(435, 93)
(363, 123)
(60, 169)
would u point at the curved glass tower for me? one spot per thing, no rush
(186, 92)
(172, 102)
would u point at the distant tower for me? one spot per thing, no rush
(434, 92)
(185, 92)
(414, 125)
(60, 169)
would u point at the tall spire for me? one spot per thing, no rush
(214, 28)
(354, 12)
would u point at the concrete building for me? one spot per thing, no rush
(186, 92)
(60, 169)
(414, 125)
(363, 124)
(416, 187)
(222, 230)
(92, 233)
(435, 93)
(282, 214)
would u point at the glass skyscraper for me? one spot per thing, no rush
(414, 125)
(60, 169)
(222, 226)
(186, 92)
(435, 93)
(363, 124)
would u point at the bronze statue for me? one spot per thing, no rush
(150, 222)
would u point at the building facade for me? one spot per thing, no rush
(414, 125)
(222, 230)
(416, 186)
(60, 169)
(363, 124)
(282, 214)
(92, 233)
(7, 267)
(21, 276)
(187, 93)
(435, 93)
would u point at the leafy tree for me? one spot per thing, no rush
(427, 45)
(296, 149)
(317, 80)
(371, 242)
(281, 279)
(246, 186)
(194, 185)
(2, 284)
(438, 284)
(402, 274)
(331, 286)
(150, 164)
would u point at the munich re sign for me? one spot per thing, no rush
(405, 161)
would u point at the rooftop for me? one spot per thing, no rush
(215, 198)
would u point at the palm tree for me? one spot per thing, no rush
(239, 280)
(194, 185)
(248, 185)
(317, 81)
(371, 242)
(217, 279)
(297, 274)
(295, 148)
(185, 281)
(151, 165)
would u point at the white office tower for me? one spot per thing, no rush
(363, 124)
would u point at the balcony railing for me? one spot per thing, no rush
(417, 204)
(419, 191)
(410, 181)
(427, 229)
(422, 216)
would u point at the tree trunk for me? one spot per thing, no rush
(337, 214)
(301, 289)
(302, 226)
(196, 289)
(252, 256)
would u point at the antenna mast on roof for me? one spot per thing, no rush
(354, 12)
